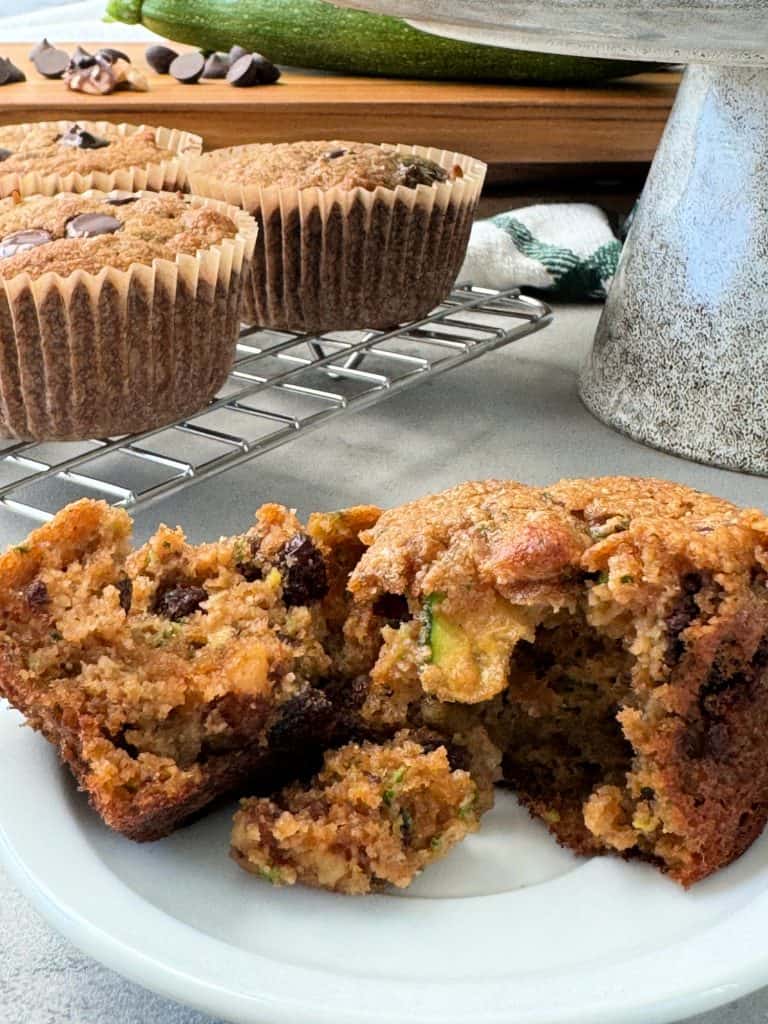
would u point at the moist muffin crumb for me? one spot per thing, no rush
(170, 674)
(375, 815)
(611, 635)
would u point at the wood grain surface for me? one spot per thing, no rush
(513, 125)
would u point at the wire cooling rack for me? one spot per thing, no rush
(281, 386)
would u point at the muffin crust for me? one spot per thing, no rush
(110, 230)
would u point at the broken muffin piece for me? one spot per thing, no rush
(612, 637)
(168, 675)
(375, 815)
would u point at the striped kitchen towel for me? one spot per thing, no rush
(567, 250)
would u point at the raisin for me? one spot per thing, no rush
(392, 607)
(248, 568)
(36, 594)
(179, 602)
(683, 614)
(125, 590)
(303, 571)
(304, 719)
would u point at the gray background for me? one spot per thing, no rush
(512, 414)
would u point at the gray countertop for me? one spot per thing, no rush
(514, 413)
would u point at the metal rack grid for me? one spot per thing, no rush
(281, 386)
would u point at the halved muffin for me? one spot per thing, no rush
(171, 674)
(612, 637)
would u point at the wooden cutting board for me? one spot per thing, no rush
(511, 125)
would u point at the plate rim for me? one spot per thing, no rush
(158, 963)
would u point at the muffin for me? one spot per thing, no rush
(352, 235)
(375, 815)
(119, 312)
(611, 635)
(168, 675)
(64, 156)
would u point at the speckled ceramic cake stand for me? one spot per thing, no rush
(680, 360)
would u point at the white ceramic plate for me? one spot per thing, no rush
(508, 928)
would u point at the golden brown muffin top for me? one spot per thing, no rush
(323, 165)
(520, 540)
(67, 232)
(45, 149)
(499, 532)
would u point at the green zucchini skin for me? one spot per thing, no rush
(316, 34)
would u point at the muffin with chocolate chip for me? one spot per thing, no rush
(119, 311)
(352, 235)
(168, 674)
(65, 156)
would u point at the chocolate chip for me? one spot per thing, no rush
(52, 63)
(111, 54)
(646, 793)
(242, 73)
(80, 138)
(21, 241)
(266, 71)
(334, 154)
(119, 198)
(248, 568)
(9, 73)
(160, 58)
(5, 153)
(683, 613)
(392, 607)
(36, 594)
(252, 69)
(38, 48)
(125, 590)
(216, 66)
(303, 719)
(236, 53)
(179, 602)
(188, 68)
(418, 171)
(81, 59)
(86, 225)
(17, 75)
(303, 571)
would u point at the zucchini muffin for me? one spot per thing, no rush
(612, 637)
(119, 312)
(375, 815)
(171, 674)
(64, 156)
(353, 235)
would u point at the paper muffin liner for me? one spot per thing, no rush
(344, 259)
(163, 176)
(121, 351)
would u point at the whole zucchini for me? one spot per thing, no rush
(316, 34)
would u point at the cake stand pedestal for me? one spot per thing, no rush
(680, 359)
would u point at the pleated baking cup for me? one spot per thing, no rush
(168, 175)
(121, 351)
(344, 259)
